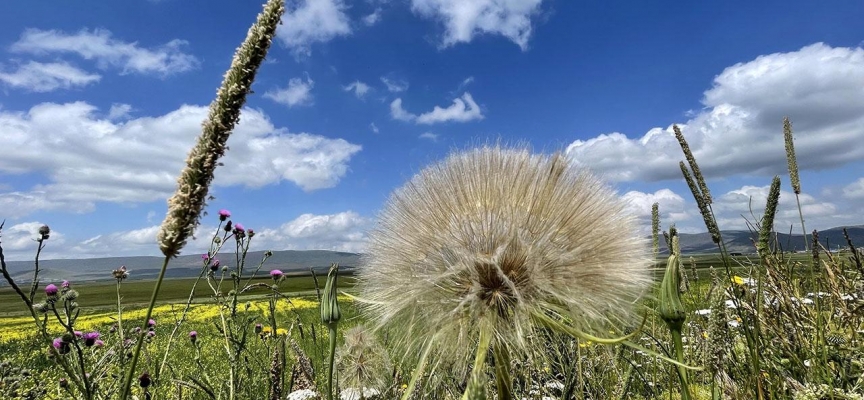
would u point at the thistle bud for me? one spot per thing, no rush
(330, 313)
(671, 309)
(44, 232)
(144, 380)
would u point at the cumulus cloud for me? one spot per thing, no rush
(854, 190)
(463, 109)
(46, 77)
(671, 206)
(734, 208)
(119, 111)
(465, 19)
(359, 88)
(399, 113)
(373, 18)
(87, 159)
(429, 136)
(740, 129)
(394, 85)
(21, 238)
(345, 231)
(310, 21)
(298, 93)
(100, 46)
(373, 127)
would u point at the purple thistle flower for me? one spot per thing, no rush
(98, 343)
(61, 346)
(151, 323)
(51, 290)
(193, 336)
(65, 284)
(151, 333)
(276, 274)
(214, 265)
(224, 214)
(259, 328)
(90, 338)
(205, 256)
(250, 232)
(238, 228)
(79, 334)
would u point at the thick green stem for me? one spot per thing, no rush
(130, 372)
(331, 358)
(502, 371)
(682, 372)
(476, 387)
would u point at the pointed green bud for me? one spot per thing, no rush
(330, 313)
(671, 309)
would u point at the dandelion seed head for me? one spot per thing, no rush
(490, 236)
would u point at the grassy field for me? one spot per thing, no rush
(98, 296)
(101, 296)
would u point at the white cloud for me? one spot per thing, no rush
(21, 238)
(87, 159)
(45, 77)
(670, 204)
(119, 111)
(345, 231)
(399, 113)
(359, 88)
(373, 127)
(310, 21)
(98, 45)
(464, 19)
(854, 190)
(740, 131)
(429, 136)
(395, 85)
(734, 208)
(373, 18)
(463, 109)
(298, 93)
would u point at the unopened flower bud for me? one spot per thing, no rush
(330, 313)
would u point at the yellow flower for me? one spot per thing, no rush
(738, 280)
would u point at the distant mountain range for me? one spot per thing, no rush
(299, 262)
(743, 241)
(145, 267)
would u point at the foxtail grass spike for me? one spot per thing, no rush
(790, 156)
(767, 224)
(185, 207)
(710, 224)
(697, 173)
(655, 228)
(793, 173)
(187, 203)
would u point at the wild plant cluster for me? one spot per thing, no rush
(496, 273)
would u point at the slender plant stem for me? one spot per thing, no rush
(682, 372)
(503, 380)
(331, 358)
(130, 372)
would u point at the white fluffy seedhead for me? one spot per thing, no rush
(491, 236)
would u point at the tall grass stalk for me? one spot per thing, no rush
(792, 163)
(185, 207)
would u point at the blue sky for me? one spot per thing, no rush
(101, 101)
